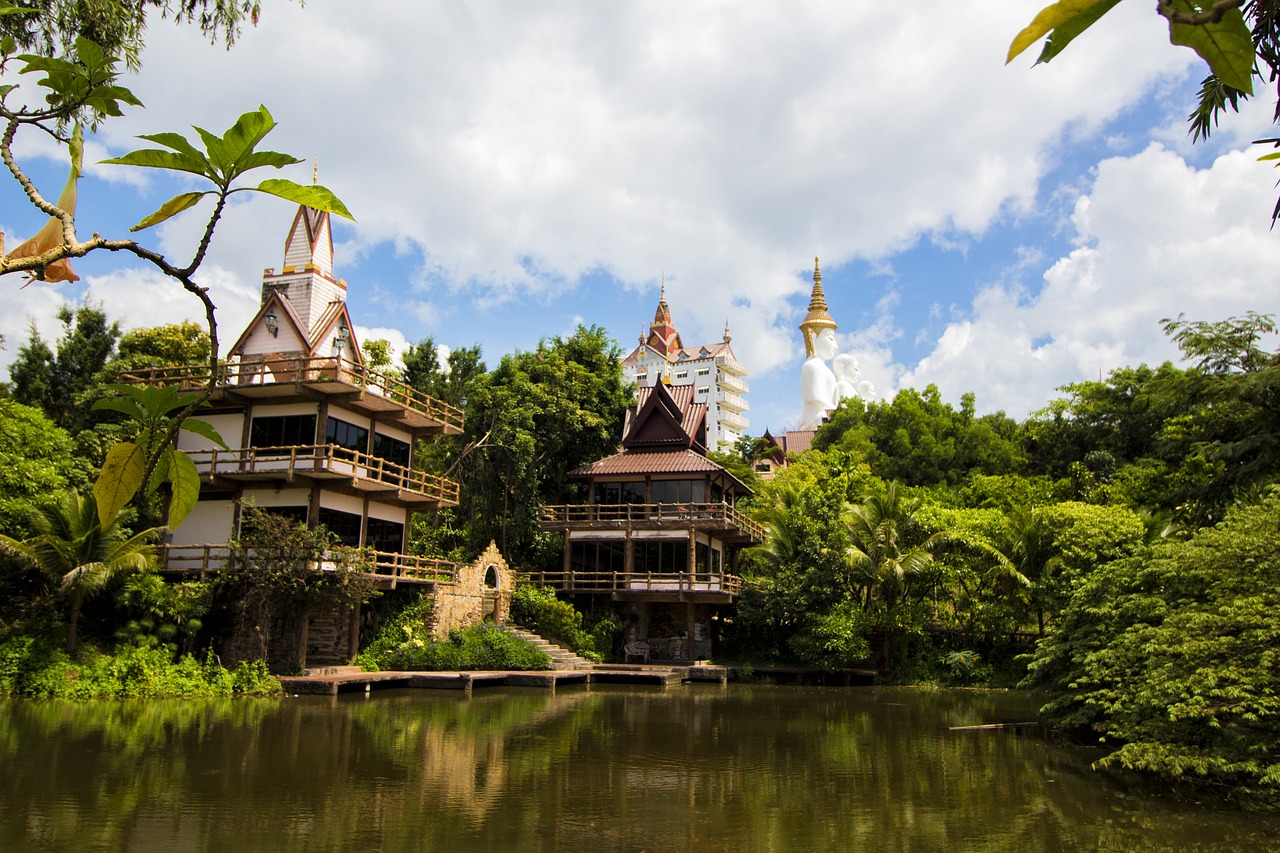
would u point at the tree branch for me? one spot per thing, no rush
(1212, 15)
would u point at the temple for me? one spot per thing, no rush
(314, 435)
(711, 370)
(660, 531)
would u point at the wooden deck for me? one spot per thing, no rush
(330, 683)
(335, 680)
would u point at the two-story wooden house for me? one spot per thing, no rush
(661, 530)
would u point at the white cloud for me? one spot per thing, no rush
(1156, 238)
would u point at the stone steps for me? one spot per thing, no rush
(562, 659)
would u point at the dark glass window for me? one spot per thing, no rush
(633, 493)
(345, 525)
(665, 555)
(384, 535)
(346, 435)
(391, 449)
(679, 491)
(608, 493)
(283, 431)
(599, 556)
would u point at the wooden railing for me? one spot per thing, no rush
(640, 515)
(677, 582)
(321, 458)
(283, 370)
(203, 560)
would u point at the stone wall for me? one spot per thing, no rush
(482, 592)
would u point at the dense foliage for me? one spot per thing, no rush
(1175, 655)
(538, 609)
(405, 643)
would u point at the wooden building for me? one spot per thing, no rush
(313, 434)
(661, 530)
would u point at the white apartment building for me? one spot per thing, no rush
(717, 377)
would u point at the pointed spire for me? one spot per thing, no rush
(727, 336)
(817, 319)
(818, 301)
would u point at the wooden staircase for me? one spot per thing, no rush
(561, 658)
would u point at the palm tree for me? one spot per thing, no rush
(1025, 546)
(886, 554)
(76, 553)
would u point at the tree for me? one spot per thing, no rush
(56, 380)
(83, 85)
(119, 26)
(282, 572)
(1171, 655)
(532, 420)
(79, 555)
(37, 461)
(1238, 39)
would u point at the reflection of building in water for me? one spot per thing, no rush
(317, 436)
(661, 529)
(710, 369)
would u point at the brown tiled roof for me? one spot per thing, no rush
(798, 440)
(649, 462)
(681, 423)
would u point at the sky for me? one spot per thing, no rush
(518, 169)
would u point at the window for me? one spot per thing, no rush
(391, 449)
(346, 435)
(703, 390)
(667, 555)
(345, 525)
(679, 491)
(283, 431)
(606, 556)
(384, 535)
(706, 371)
(684, 374)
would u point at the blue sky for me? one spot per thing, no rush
(516, 169)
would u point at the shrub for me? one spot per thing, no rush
(483, 647)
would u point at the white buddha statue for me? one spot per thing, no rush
(817, 381)
(846, 370)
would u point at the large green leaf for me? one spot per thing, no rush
(172, 207)
(185, 480)
(243, 136)
(124, 407)
(1226, 45)
(205, 430)
(153, 158)
(311, 195)
(119, 481)
(1050, 18)
(1066, 32)
(161, 471)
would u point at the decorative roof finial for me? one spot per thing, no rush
(315, 171)
(727, 337)
(817, 319)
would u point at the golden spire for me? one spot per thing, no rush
(315, 171)
(817, 319)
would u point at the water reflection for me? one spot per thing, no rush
(743, 768)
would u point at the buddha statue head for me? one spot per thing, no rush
(818, 328)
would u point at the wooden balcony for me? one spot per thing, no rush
(721, 519)
(706, 587)
(380, 397)
(332, 466)
(388, 570)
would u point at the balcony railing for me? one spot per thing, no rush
(728, 364)
(388, 568)
(730, 382)
(732, 402)
(649, 515)
(733, 420)
(323, 461)
(283, 370)
(686, 583)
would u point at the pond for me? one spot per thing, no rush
(696, 767)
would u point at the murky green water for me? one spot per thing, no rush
(743, 768)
